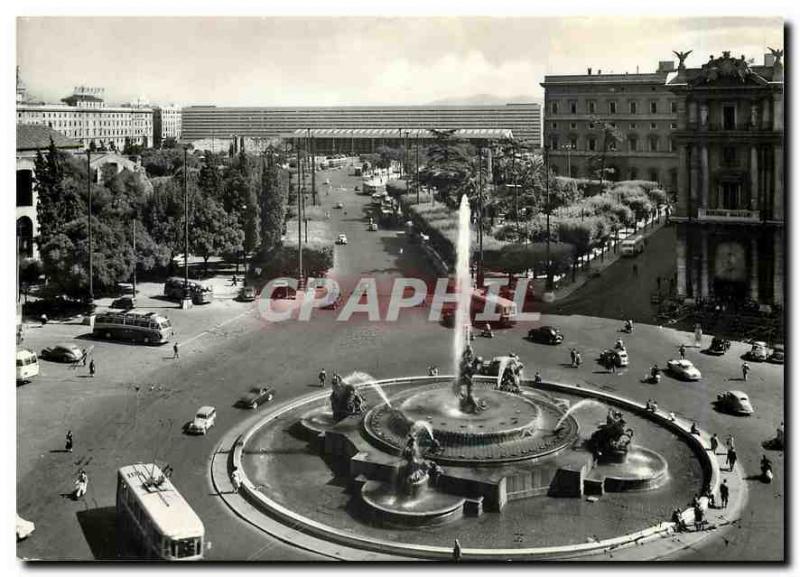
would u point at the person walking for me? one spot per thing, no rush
(322, 376)
(578, 360)
(175, 351)
(745, 370)
(81, 484)
(236, 479)
(729, 443)
(85, 357)
(699, 519)
(731, 458)
(714, 443)
(456, 550)
(724, 493)
(92, 368)
(68, 442)
(572, 357)
(682, 350)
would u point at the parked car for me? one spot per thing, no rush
(547, 334)
(247, 294)
(777, 355)
(24, 528)
(338, 205)
(341, 239)
(719, 346)
(683, 369)
(758, 351)
(62, 353)
(124, 303)
(282, 290)
(373, 227)
(204, 419)
(736, 402)
(614, 357)
(256, 396)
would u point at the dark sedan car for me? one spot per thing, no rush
(777, 355)
(719, 346)
(125, 303)
(62, 353)
(256, 396)
(547, 335)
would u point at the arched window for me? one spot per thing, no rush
(25, 236)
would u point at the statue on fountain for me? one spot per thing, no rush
(414, 474)
(611, 441)
(345, 400)
(468, 367)
(512, 375)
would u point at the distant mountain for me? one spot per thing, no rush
(485, 99)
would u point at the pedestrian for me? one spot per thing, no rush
(672, 416)
(234, 281)
(322, 376)
(572, 356)
(724, 493)
(729, 443)
(694, 430)
(731, 458)
(92, 368)
(84, 357)
(745, 370)
(537, 378)
(81, 484)
(175, 353)
(236, 479)
(699, 520)
(456, 550)
(43, 318)
(714, 443)
(68, 442)
(682, 350)
(578, 359)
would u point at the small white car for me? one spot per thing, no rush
(683, 369)
(204, 419)
(341, 239)
(24, 528)
(758, 351)
(338, 205)
(373, 227)
(736, 402)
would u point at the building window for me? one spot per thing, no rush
(612, 145)
(673, 107)
(554, 107)
(634, 173)
(653, 175)
(653, 126)
(632, 106)
(729, 156)
(673, 125)
(573, 142)
(554, 142)
(671, 145)
(633, 143)
(653, 107)
(573, 125)
(653, 142)
(592, 107)
(728, 117)
(632, 125)
(573, 107)
(612, 107)
(554, 125)
(592, 144)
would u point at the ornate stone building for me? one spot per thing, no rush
(730, 201)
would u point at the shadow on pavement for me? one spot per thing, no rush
(100, 530)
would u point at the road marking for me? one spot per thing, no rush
(215, 327)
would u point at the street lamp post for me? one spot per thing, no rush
(186, 299)
(299, 219)
(89, 221)
(416, 166)
(549, 279)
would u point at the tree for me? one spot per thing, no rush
(449, 166)
(272, 201)
(611, 137)
(57, 204)
(213, 231)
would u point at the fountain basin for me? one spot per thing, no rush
(384, 504)
(642, 469)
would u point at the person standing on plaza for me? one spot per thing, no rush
(456, 550)
(85, 357)
(572, 357)
(731, 458)
(68, 442)
(745, 370)
(92, 368)
(724, 493)
(322, 376)
(236, 479)
(81, 484)
(714, 443)
(577, 359)
(175, 351)
(730, 443)
(682, 350)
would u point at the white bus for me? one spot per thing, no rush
(27, 365)
(149, 328)
(154, 521)
(632, 246)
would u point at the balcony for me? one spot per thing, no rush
(728, 215)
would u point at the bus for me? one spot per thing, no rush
(154, 521)
(483, 301)
(27, 365)
(632, 246)
(148, 328)
(199, 293)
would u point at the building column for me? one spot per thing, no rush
(705, 175)
(777, 112)
(693, 113)
(754, 293)
(694, 180)
(680, 249)
(777, 195)
(753, 178)
(683, 181)
(704, 264)
(766, 121)
(777, 276)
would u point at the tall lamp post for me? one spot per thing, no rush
(186, 300)
(548, 286)
(89, 221)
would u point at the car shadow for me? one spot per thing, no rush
(99, 528)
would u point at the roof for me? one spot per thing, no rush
(647, 77)
(466, 133)
(37, 137)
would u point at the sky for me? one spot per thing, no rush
(293, 61)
